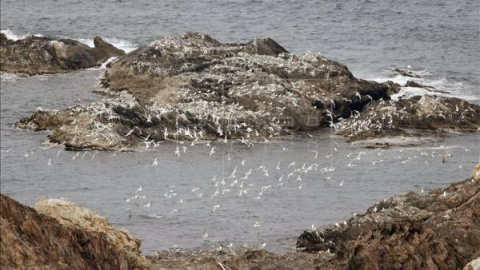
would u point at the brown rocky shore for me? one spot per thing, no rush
(41, 55)
(438, 230)
(194, 88)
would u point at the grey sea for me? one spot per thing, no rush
(266, 193)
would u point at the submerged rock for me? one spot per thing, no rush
(65, 237)
(411, 117)
(41, 55)
(196, 88)
(438, 230)
(406, 73)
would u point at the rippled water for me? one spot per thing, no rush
(439, 38)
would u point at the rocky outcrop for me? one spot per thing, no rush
(65, 237)
(438, 230)
(194, 87)
(41, 55)
(104, 50)
(411, 117)
(72, 215)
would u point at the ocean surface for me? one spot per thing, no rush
(200, 200)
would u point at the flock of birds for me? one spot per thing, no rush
(252, 179)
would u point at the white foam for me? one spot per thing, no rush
(119, 43)
(122, 44)
(10, 35)
(109, 60)
(408, 92)
(443, 86)
(8, 77)
(86, 41)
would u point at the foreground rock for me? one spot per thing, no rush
(40, 55)
(196, 88)
(66, 236)
(72, 215)
(438, 230)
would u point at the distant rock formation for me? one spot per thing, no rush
(438, 230)
(196, 88)
(62, 235)
(41, 55)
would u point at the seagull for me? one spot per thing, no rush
(139, 189)
(212, 151)
(205, 237)
(130, 132)
(233, 173)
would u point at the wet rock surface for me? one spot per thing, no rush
(438, 230)
(41, 55)
(196, 88)
(31, 240)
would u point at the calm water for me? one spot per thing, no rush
(438, 38)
